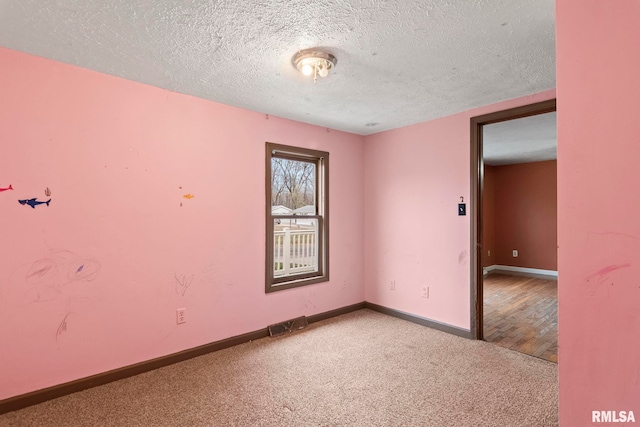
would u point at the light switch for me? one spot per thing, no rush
(462, 209)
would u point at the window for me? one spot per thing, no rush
(297, 217)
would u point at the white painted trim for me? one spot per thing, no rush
(520, 270)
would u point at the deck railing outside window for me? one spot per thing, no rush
(295, 251)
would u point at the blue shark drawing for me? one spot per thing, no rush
(33, 202)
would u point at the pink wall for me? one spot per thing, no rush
(413, 235)
(598, 207)
(526, 215)
(488, 217)
(118, 157)
(115, 152)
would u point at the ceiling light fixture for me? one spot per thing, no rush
(313, 61)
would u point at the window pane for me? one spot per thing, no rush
(293, 187)
(295, 246)
(297, 217)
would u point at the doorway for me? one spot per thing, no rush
(477, 192)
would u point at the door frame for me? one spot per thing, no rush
(477, 183)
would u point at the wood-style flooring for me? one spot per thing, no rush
(521, 313)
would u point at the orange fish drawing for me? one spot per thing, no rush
(188, 196)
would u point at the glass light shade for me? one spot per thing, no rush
(314, 62)
(323, 70)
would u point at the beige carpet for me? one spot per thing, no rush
(360, 369)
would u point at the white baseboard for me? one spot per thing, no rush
(520, 270)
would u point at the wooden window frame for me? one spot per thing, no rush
(321, 160)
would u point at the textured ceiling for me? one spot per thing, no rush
(530, 139)
(399, 62)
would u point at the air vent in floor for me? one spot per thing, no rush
(288, 326)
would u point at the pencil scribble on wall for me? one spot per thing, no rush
(33, 202)
(47, 192)
(62, 328)
(48, 276)
(210, 273)
(613, 259)
(602, 277)
(182, 283)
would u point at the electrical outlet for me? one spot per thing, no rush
(489, 252)
(181, 316)
(392, 285)
(515, 253)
